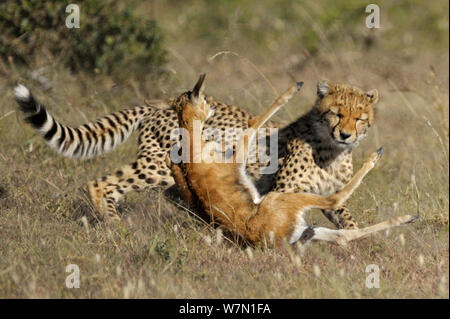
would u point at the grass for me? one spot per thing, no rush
(161, 250)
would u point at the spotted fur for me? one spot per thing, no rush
(319, 149)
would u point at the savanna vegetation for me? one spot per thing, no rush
(126, 52)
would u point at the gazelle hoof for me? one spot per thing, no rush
(414, 219)
(380, 151)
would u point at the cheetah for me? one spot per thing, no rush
(318, 154)
(328, 155)
(156, 126)
(219, 188)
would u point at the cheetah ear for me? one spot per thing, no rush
(198, 88)
(372, 96)
(324, 88)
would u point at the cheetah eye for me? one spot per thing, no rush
(363, 117)
(339, 115)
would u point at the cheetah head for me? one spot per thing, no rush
(346, 112)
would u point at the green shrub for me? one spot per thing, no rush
(111, 38)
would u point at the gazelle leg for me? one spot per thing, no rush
(393, 222)
(341, 197)
(305, 233)
(249, 136)
(342, 236)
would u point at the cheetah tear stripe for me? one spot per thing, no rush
(85, 141)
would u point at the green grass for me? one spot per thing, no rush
(161, 250)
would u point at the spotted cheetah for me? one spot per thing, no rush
(329, 155)
(218, 187)
(318, 155)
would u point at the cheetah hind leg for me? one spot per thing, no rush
(341, 218)
(97, 193)
(145, 173)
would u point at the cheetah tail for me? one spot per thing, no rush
(88, 140)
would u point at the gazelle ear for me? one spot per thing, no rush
(324, 88)
(198, 88)
(372, 96)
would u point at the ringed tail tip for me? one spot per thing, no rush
(22, 93)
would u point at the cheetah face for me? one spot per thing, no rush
(346, 112)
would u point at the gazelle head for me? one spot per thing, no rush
(193, 105)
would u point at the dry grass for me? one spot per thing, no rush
(161, 250)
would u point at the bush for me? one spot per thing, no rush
(110, 38)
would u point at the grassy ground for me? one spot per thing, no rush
(161, 249)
